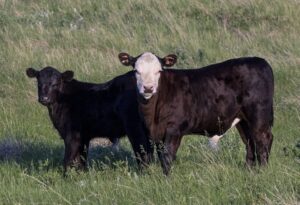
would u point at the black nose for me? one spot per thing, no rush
(44, 100)
(148, 89)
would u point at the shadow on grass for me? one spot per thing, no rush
(108, 158)
(41, 156)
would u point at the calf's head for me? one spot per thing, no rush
(50, 83)
(147, 67)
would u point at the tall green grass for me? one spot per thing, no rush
(86, 36)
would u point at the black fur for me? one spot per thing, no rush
(206, 101)
(81, 111)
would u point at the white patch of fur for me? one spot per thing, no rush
(235, 121)
(147, 74)
(214, 140)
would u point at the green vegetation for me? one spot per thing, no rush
(86, 36)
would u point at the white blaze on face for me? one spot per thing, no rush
(148, 69)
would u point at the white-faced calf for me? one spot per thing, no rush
(206, 101)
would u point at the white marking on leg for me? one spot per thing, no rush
(213, 142)
(235, 122)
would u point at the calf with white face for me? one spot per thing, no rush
(205, 101)
(148, 67)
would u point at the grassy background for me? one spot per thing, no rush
(86, 36)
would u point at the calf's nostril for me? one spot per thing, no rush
(43, 99)
(148, 89)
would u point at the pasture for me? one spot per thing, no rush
(86, 37)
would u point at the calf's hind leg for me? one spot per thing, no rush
(263, 143)
(247, 138)
(259, 121)
(141, 145)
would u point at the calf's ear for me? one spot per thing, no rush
(126, 59)
(169, 60)
(67, 75)
(32, 73)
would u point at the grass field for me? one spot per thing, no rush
(86, 37)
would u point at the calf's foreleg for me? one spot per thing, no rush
(167, 151)
(76, 151)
